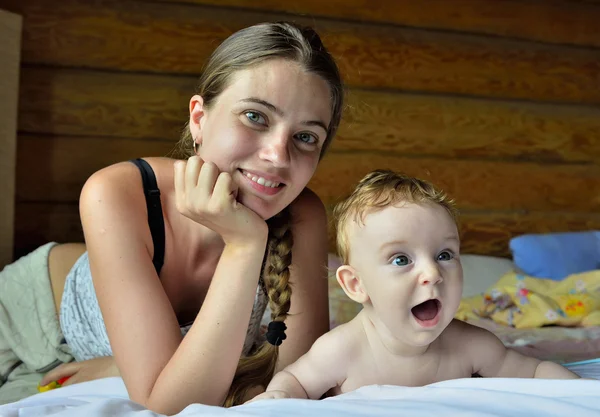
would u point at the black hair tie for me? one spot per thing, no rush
(276, 333)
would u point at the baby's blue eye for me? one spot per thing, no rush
(307, 138)
(401, 260)
(255, 117)
(445, 256)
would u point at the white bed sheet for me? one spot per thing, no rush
(463, 397)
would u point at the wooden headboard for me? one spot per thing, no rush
(496, 102)
(10, 51)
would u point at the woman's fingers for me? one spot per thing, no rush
(225, 191)
(207, 180)
(209, 197)
(179, 180)
(192, 171)
(61, 371)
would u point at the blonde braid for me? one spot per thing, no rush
(277, 268)
(258, 369)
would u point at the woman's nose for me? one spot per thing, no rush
(275, 150)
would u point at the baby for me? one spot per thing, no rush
(400, 246)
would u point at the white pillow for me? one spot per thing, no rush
(481, 272)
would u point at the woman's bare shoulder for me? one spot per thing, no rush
(113, 182)
(126, 171)
(308, 208)
(114, 196)
(122, 181)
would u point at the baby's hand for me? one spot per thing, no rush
(270, 395)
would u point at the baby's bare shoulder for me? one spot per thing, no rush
(342, 341)
(349, 333)
(458, 335)
(471, 343)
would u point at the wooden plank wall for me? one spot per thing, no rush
(10, 52)
(497, 101)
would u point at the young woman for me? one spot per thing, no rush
(182, 256)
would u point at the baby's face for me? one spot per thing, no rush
(407, 258)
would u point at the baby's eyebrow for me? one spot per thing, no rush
(453, 240)
(392, 243)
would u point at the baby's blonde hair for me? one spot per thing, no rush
(380, 189)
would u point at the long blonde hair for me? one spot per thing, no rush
(244, 49)
(379, 189)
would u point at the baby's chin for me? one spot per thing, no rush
(424, 339)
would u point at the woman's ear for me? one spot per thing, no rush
(351, 284)
(197, 114)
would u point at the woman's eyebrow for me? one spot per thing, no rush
(264, 103)
(314, 123)
(280, 112)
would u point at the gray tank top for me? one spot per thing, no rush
(83, 326)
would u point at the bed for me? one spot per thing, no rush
(461, 397)
(475, 396)
(558, 344)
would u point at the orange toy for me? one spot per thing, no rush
(53, 385)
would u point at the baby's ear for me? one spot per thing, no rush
(351, 284)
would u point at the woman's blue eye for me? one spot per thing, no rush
(307, 138)
(445, 256)
(401, 260)
(255, 117)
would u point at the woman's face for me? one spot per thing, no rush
(266, 129)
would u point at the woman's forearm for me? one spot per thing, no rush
(203, 366)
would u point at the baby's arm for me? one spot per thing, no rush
(551, 370)
(491, 358)
(284, 385)
(324, 366)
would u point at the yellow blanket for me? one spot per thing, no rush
(523, 302)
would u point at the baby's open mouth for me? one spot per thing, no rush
(427, 312)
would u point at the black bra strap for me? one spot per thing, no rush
(155, 215)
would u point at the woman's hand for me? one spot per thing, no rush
(208, 197)
(89, 370)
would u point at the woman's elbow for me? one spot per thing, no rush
(171, 403)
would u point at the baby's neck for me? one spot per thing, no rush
(379, 335)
